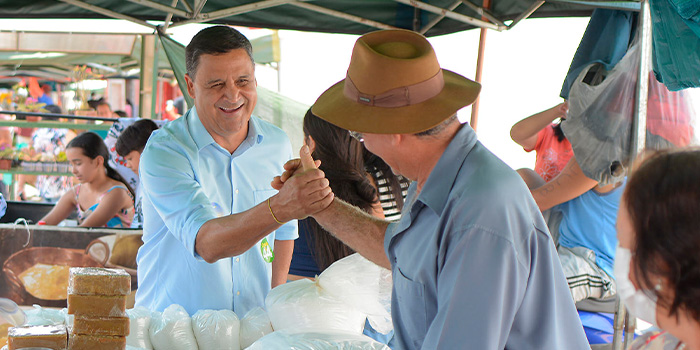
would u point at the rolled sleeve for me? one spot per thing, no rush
(169, 182)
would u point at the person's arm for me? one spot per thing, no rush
(62, 209)
(359, 230)
(234, 234)
(569, 184)
(283, 258)
(169, 183)
(525, 131)
(110, 205)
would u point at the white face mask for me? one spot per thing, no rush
(638, 302)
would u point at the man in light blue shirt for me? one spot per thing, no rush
(472, 262)
(216, 234)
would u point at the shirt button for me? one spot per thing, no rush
(237, 259)
(236, 191)
(238, 292)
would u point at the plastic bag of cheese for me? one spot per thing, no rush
(254, 325)
(216, 329)
(362, 284)
(139, 324)
(319, 340)
(303, 304)
(172, 329)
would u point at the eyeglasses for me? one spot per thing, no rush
(356, 135)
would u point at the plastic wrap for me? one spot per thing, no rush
(39, 316)
(98, 281)
(363, 285)
(172, 329)
(321, 340)
(599, 121)
(53, 337)
(140, 322)
(97, 305)
(95, 342)
(254, 325)
(303, 304)
(113, 326)
(216, 329)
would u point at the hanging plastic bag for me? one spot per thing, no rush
(139, 325)
(320, 340)
(599, 121)
(254, 325)
(216, 330)
(172, 330)
(305, 305)
(364, 285)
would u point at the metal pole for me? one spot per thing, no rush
(479, 70)
(146, 87)
(639, 122)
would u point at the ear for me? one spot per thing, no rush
(190, 85)
(311, 143)
(100, 160)
(396, 139)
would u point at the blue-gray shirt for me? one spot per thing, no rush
(473, 264)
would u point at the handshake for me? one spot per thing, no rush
(303, 189)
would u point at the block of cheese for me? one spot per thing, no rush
(52, 337)
(98, 281)
(96, 342)
(100, 325)
(97, 305)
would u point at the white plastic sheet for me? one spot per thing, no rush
(363, 285)
(216, 330)
(172, 330)
(320, 340)
(254, 325)
(303, 304)
(139, 324)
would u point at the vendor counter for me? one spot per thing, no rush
(35, 259)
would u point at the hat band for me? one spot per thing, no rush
(398, 97)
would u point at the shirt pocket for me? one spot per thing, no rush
(410, 298)
(262, 195)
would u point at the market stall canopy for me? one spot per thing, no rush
(53, 55)
(431, 17)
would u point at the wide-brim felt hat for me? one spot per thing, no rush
(394, 85)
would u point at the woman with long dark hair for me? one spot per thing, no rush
(342, 160)
(102, 198)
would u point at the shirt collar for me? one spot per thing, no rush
(441, 179)
(202, 138)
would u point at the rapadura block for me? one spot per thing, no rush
(97, 305)
(118, 326)
(51, 337)
(98, 281)
(96, 342)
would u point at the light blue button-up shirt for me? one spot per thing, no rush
(473, 264)
(188, 179)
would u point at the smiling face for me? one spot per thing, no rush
(224, 93)
(83, 168)
(132, 161)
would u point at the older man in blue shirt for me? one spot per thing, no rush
(216, 234)
(473, 264)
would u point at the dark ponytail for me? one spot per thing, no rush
(93, 146)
